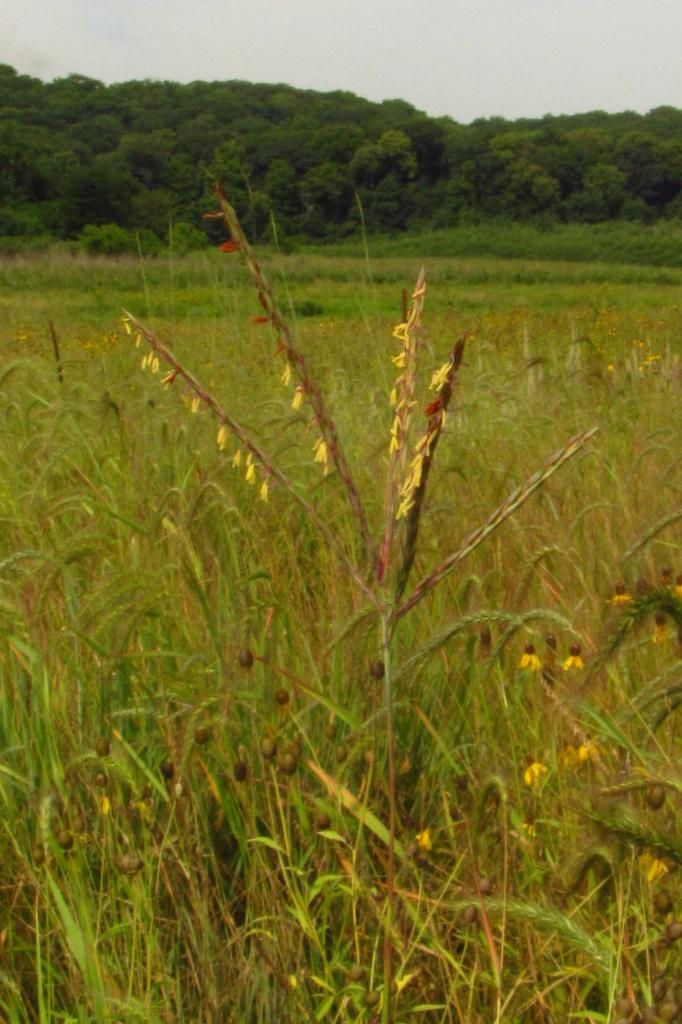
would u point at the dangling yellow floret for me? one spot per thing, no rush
(297, 400)
(321, 454)
(223, 435)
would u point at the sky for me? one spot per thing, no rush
(461, 58)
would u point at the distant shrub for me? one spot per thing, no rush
(106, 239)
(184, 237)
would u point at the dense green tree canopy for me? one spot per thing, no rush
(143, 156)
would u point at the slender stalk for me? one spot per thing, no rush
(386, 637)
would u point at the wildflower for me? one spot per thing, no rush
(237, 459)
(250, 469)
(286, 373)
(264, 491)
(567, 758)
(534, 774)
(587, 751)
(230, 246)
(155, 364)
(321, 453)
(529, 659)
(194, 404)
(620, 595)
(424, 841)
(223, 435)
(652, 867)
(297, 400)
(125, 324)
(393, 399)
(404, 981)
(400, 332)
(169, 377)
(661, 631)
(574, 659)
(105, 805)
(399, 360)
(529, 828)
(292, 982)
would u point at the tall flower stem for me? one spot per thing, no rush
(386, 638)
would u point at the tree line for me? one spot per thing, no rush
(79, 159)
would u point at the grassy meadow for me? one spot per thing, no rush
(194, 737)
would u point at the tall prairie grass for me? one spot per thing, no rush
(193, 761)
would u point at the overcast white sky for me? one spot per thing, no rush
(464, 58)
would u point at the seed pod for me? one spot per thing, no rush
(331, 730)
(624, 1007)
(295, 748)
(485, 886)
(377, 669)
(202, 735)
(663, 903)
(268, 748)
(100, 779)
(39, 855)
(167, 769)
(470, 914)
(245, 658)
(655, 797)
(103, 747)
(355, 973)
(282, 697)
(64, 839)
(368, 757)
(341, 753)
(241, 771)
(673, 931)
(129, 863)
(322, 821)
(287, 764)
(372, 998)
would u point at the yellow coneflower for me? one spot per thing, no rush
(587, 751)
(574, 659)
(424, 841)
(620, 595)
(652, 866)
(661, 630)
(534, 774)
(529, 659)
(567, 758)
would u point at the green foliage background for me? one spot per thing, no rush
(76, 153)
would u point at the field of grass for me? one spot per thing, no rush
(194, 737)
